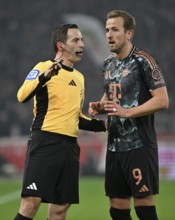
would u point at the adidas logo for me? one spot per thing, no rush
(32, 186)
(144, 189)
(72, 83)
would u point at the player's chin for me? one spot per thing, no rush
(113, 49)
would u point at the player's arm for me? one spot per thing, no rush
(159, 101)
(35, 80)
(89, 124)
(154, 81)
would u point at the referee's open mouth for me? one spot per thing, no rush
(79, 53)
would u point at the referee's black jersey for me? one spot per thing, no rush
(57, 101)
(129, 83)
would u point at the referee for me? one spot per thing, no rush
(52, 160)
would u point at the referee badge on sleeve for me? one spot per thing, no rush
(32, 75)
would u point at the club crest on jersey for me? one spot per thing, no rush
(125, 72)
(156, 74)
(33, 74)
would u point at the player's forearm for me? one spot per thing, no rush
(153, 105)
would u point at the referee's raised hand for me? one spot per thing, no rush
(53, 69)
(94, 108)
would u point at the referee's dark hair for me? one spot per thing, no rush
(60, 33)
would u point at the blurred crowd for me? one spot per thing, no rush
(26, 26)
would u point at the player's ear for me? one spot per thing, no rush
(130, 34)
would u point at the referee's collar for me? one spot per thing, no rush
(70, 69)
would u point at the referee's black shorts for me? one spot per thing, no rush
(132, 173)
(52, 168)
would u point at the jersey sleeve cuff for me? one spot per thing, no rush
(92, 125)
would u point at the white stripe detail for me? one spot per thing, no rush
(10, 197)
(32, 186)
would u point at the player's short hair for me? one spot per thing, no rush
(60, 34)
(129, 20)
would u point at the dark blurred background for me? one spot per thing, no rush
(25, 30)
